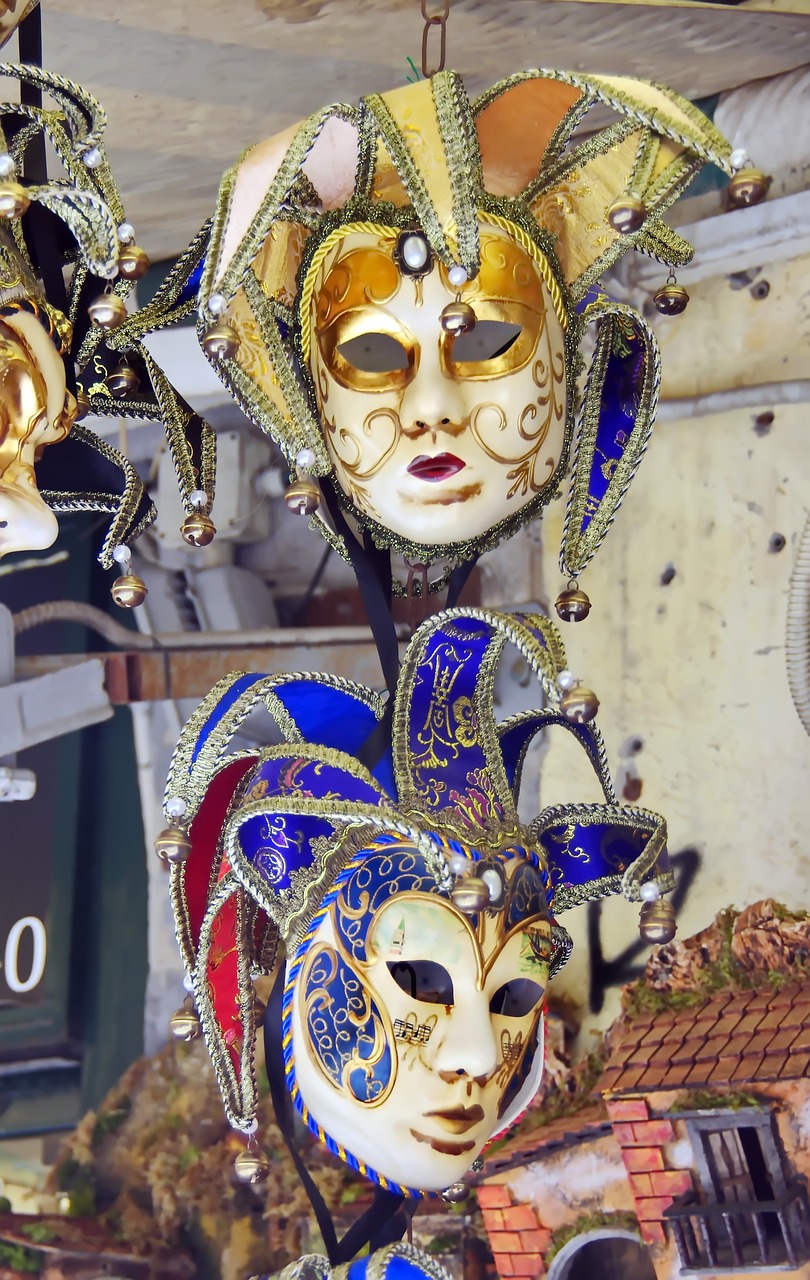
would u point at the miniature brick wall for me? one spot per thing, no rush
(653, 1185)
(516, 1236)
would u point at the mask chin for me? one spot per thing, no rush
(26, 521)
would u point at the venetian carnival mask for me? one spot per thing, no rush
(413, 905)
(36, 410)
(398, 294)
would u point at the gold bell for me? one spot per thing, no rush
(573, 604)
(626, 214)
(221, 342)
(173, 845)
(107, 311)
(457, 317)
(129, 591)
(198, 529)
(746, 187)
(251, 1165)
(579, 704)
(184, 1023)
(470, 895)
(302, 497)
(657, 922)
(133, 262)
(82, 406)
(671, 299)
(14, 200)
(456, 1193)
(122, 381)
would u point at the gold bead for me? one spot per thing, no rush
(746, 187)
(133, 262)
(82, 406)
(572, 605)
(457, 318)
(184, 1024)
(173, 845)
(579, 704)
(221, 342)
(129, 591)
(107, 311)
(122, 381)
(626, 214)
(456, 1193)
(198, 529)
(303, 497)
(657, 922)
(470, 895)
(251, 1166)
(14, 200)
(671, 299)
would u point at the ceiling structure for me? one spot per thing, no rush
(188, 84)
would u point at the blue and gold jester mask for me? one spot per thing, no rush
(415, 909)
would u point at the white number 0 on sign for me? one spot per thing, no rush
(11, 966)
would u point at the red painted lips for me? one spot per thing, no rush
(440, 467)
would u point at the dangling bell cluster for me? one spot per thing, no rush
(173, 844)
(475, 890)
(572, 604)
(198, 529)
(133, 262)
(671, 299)
(184, 1023)
(457, 317)
(577, 703)
(627, 214)
(14, 200)
(303, 496)
(107, 311)
(129, 590)
(122, 381)
(747, 187)
(251, 1166)
(657, 922)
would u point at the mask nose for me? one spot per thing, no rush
(432, 401)
(468, 1047)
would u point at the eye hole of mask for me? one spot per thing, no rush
(486, 341)
(374, 353)
(516, 998)
(423, 980)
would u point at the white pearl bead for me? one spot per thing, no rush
(92, 158)
(126, 233)
(121, 554)
(457, 276)
(458, 864)
(305, 459)
(649, 892)
(566, 680)
(739, 158)
(198, 498)
(217, 304)
(7, 166)
(188, 982)
(176, 806)
(415, 252)
(493, 882)
(250, 1128)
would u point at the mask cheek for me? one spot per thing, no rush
(519, 1056)
(346, 1030)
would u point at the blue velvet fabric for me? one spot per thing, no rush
(580, 852)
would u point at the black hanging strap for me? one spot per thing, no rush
(458, 581)
(384, 1221)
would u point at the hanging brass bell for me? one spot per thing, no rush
(627, 214)
(573, 604)
(457, 317)
(470, 895)
(198, 529)
(184, 1024)
(122, 381)
(107, 311)
(747, 187)
(173, 845)
(251, 1166)
(133, 262)
(579, 705)
(671, 299)
(657, 922)
(302, 497)
(129, 591)
(456, 1193)
(221, 342)
(82, 406)
(14, 200)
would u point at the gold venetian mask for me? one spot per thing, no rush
(438, 436)
(417, 1030)
(12, 13)
(35, 411)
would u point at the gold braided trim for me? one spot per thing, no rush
(378, 229)
(525, 241)
(308, 287)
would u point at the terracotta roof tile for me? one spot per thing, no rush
(784, 996)
(795, 1015)
(699, 1074)
(783, 1039)
(722, 1070)
(728, 1022)
(760, 1042)
(773, 1066)
(748, 1068)
(798, 1066)
(749, 1022)
(711, 1049)
(802, 1039)
(520, 1148)
(737, 1046)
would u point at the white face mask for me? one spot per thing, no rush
(414, 1046)
(438, 438)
